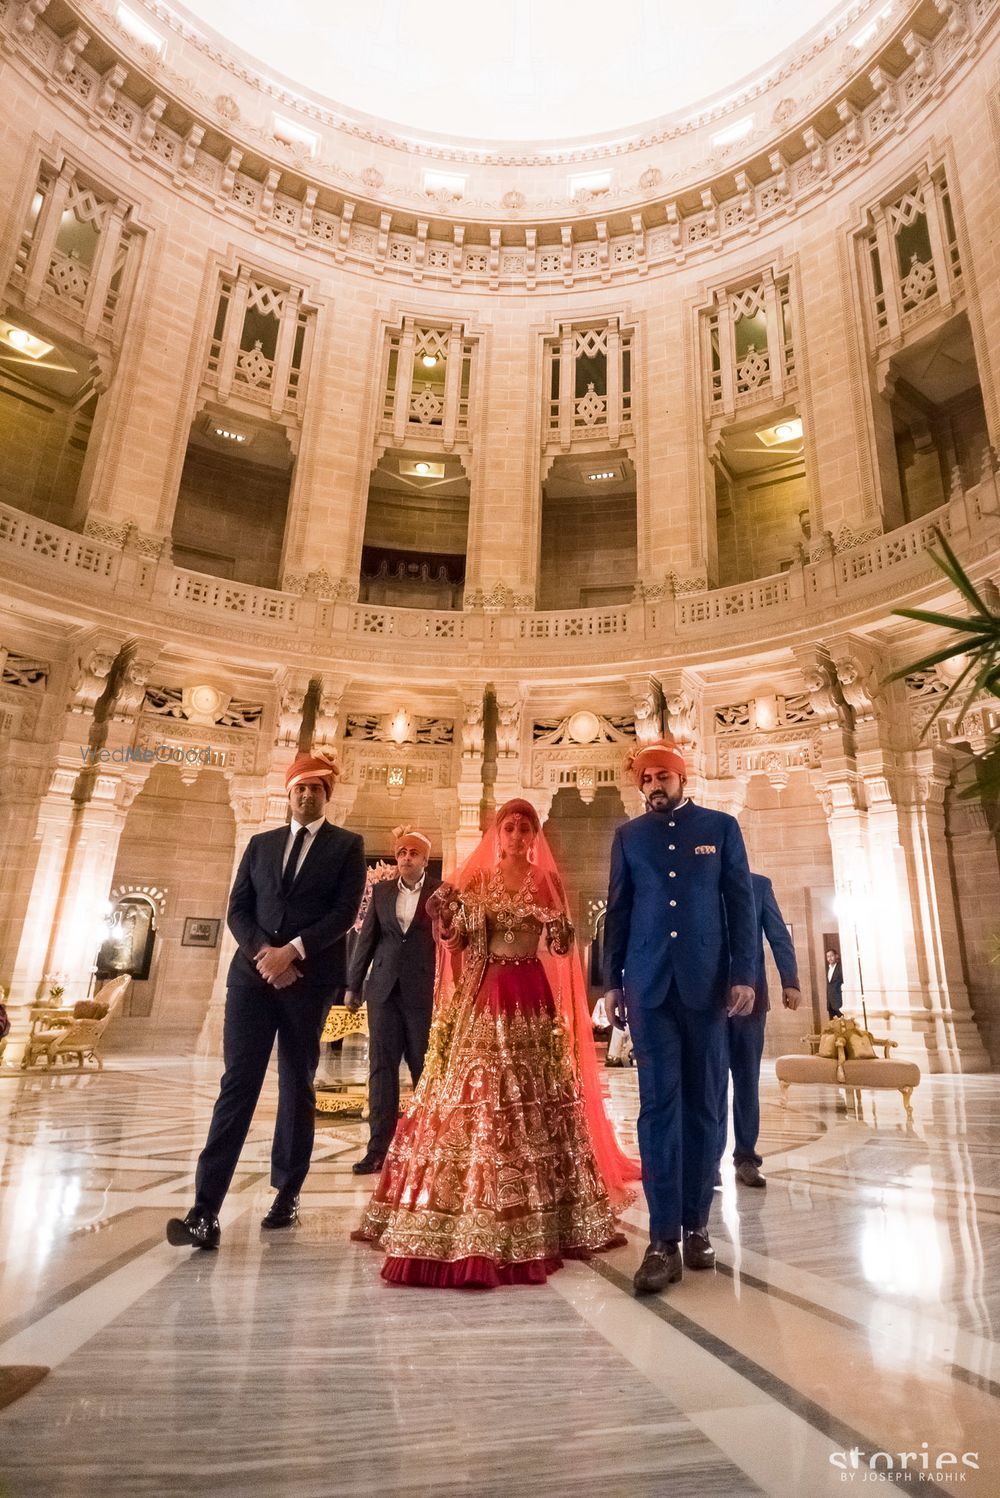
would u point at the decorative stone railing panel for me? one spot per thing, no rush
(874, 573)
(31, 540)
(790, 162)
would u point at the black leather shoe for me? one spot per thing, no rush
(369, 1164)
(698, 1251)
(283, 1213)
(660, 1267)
(196, 1230)
(749, 1174)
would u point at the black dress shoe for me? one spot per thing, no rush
(196, 1230)
(698, 1251)
(660, 1267)
(283, 1213)
(369, 1164)
(749, 1173)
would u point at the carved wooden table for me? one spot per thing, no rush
(344, 1096)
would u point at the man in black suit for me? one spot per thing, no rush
(834, 984)
(396, 940)
(295, 897)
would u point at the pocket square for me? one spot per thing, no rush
(705, 848)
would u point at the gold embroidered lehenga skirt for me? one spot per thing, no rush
(491, 1177)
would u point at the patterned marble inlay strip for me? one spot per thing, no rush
(775, 1388)
(18, 1379)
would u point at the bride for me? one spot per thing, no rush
(504, 1163)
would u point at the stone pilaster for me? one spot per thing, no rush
(895, 902)
(470, 775)
(258, 802)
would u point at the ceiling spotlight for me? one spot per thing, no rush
(24, 342)
(429, 360)
(785, 431)
(230, 436)
(607, 473)
(424, 468)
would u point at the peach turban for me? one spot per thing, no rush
(311, 767)
(407, 834)
(658, 756)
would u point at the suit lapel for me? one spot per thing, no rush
(276, 852)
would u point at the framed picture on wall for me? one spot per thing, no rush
(200, 931)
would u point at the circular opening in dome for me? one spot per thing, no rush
(566, 69)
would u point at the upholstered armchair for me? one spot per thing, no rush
(81, 1033)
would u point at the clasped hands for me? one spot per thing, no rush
(276, 965)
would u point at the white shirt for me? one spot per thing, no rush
(407, 901)
(311, 830)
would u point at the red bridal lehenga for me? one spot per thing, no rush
(504, 1163)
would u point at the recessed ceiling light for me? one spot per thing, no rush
(296, 136)
(732, 133)
(24, 342)
(429, 361)
(230, 436)
(607, 473)
(785, 431)
(421, 468)
(137, 28)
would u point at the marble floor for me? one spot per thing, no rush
(853, 1318)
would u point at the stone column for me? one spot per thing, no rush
(25, 772)
(896, 912)
(46, 232)
(470, 778)
(324, 532)
(79, 819)
(509, 771)
(505, 469)
(259, 802)
(675, 490)
(932, 893)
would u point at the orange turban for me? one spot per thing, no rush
(658, 756)
(401, 835)
(311, 767)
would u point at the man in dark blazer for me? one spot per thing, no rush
(396, 942)
(295, 897)
(834, 984)
(680, 949)
(746, 1036)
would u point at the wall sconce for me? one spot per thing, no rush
(766, 712)
(584, 727)
(400, 726)
(395, 781)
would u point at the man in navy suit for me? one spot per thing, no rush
(396, 941)
(680, 950)
(295, 897)
(746, 1036)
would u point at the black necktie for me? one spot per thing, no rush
(292, 862)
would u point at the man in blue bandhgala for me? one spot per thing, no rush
(745, 1034)
(680, 953)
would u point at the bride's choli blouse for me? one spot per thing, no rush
(513, 922)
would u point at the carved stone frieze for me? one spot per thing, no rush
(24, 671)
